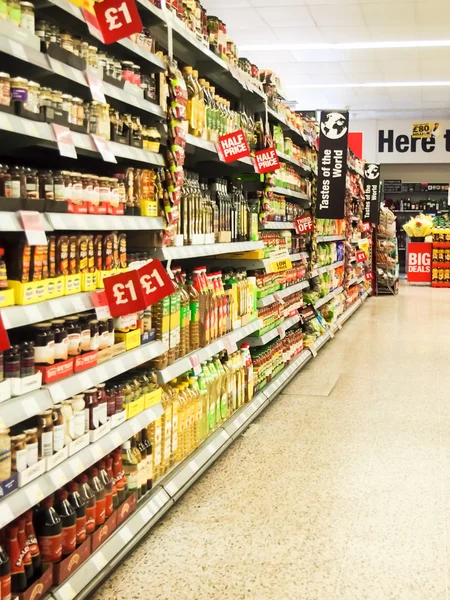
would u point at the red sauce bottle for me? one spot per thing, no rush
(79, 505)
(99, 490)
(5, 575)
(108, 485)
(48, 527)
(24, 549)
(110, 473)
(18, 577)
(119, 475)
(68, 520)
(33, 545)
(89, 499)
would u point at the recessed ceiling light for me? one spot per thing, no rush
(381, 84)
(350, 45)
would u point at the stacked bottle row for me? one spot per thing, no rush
(61, 522)
(204, 308)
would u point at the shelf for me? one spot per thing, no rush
(329, 238)
(304, 169)
(291, 193)
(299, 138)
(69, 221)
(18, 409)
(273, 333)
(9, 221)
(70, 386)
(173, 485)
(355, 280)
(26, 497)
(18, 316)
(186, 252)
(41, 135)
(198, 356)
(328, 297)
(326, 268)
(276, 225)
(270, 299)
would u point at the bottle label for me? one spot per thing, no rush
(212, 415)
(90, 519)
(174, 433)
(150, 467)
(21, 460)
(74, 344)
(142, 469)
(97, 415)
(100, 512)
(32, 454)
(81, 529)
(46, 444)
(133, 481)
(185, 314)
(32, 545)
(51, 547)
(5, 587)
(195, 316)
(109, 505)
(77, 424)
(69, 539)
(59, 434)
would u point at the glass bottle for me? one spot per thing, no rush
(130, 466)
(5, 575)
(107, 483)
(142, 467)
(33, 545)
(18, 577)
(68, 518)
(48, 527)
(24, 549)
(88, 496)
(79, 505)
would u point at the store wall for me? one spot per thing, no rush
(417, 173)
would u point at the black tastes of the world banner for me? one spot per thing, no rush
(332, 165)
(371, 191)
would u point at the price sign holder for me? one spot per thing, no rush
(117, 19)
(361, 256)
(304, 224)
(230, 345)
(195, 362)
(33, 224)
(100, 302)
(233, 146)
(103, 148)
(63, 138)
(281, 332)
(96, 87)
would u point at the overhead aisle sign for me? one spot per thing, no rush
(332, 165)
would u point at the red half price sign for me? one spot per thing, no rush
(117, 19)
(304, 224)
(233, 146)
(361, 256)
(266, 160)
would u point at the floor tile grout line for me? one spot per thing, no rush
(358, 512)
(443, 499)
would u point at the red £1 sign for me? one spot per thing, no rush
(155, 282)
(368, 275)
(124, 293)
(233, 146)
(266, 160)
(361, 256)
(304, 224)
(117, 19)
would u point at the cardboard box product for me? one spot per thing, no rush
(132, 339)
(40, 587)
(103, 532)
(65, 568)
(126, 508)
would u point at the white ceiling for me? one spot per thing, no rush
(269, 22)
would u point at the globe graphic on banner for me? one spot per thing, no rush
(334, 126)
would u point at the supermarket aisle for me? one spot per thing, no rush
(341, 490)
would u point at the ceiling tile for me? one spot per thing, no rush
(413, 74)
(399, 54)
(263, 35)
(432, 31)
(435, 54)
(264, 3)
(330, 78)
(274, 56)
(346, 15)
(241, 18)
(433, 13)
(316, 55)
(361, 66)
(399, 66)
(392, 13)
(389, 33)
(216, 6)
(338, 35)
(365, 77)
(317, 67)
(284, 16)
(299, 35)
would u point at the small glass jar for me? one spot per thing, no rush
(104, 189)
(127, 70)
(18, 452)
(67, 182)
(95, 196)
(44, 345)
(67, 106)
(33, 101)
(84, 50)
(95, 336)
(77, 188)
(5, 455)
(47, 185)
(92, 57)
(27, 16)
(32, 184)
(136, 79)
(14, 11)
(5, 89)
(67, 42)
(46, 97)
(45, 433)
(78, 112)
(78, 425)
(76, 43)
(19, 89)
(31, 445)
(59, 428)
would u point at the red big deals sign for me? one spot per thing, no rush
(304, 224)
(233, 146)
(138, 288)
(117, 19)
(266, 160)
(419, 262)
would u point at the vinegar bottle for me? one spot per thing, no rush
(107, 483)
(24, 549)
(142, 475)
(100, 495)
(130, 465)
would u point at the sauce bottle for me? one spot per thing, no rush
(88, 497)
(142, 467)
(108, 485)
(146, 444)
(5, 575)
(110, 474)
(130, 466)
(33, 545)
(100, 495)
(68, 518)
(79, 505)
(24, 549)
(119, 475)
(18, 577)
(48, 527)
(194, 321)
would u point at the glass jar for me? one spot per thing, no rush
(92, 57)
(47, 185)
(77, 188)
(45, 433)
(59, 428)
(18, 452)
(67, 182)
(67, 42)
(78, 112)
(136, 80)
(78, 424)
(31, 441)
(67, 106)
(5, 89)
(44, 344)
(59, 187)
(104, 189)
(32, 184)
(104, 125)
(84, 50)
(33, 101)
(76, 43)
(14, 11)
(95, 197)
(27, 16)
(46, 97)
(5, 455)
(19, 89)
(127, 70)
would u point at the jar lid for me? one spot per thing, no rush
(27, 4)
(67, 97)
(34, 84)
(20, 437)
(19, 80)
(2, 74)
(30, 431)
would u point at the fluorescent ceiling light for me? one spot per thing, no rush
(350, 45)
(381, 84)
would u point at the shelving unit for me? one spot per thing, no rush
(273, 333)
(171, 488)
(328, 297)
(329, 238)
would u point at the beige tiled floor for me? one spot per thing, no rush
(343, 490)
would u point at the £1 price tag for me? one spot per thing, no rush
(366, 226)
(117, 19)
(368, 275)
(124, 293)
(361, 256)
(155, 282)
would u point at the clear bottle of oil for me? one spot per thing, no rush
(154, 432)
(166, 430)
(196, 412)
(204, 403)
